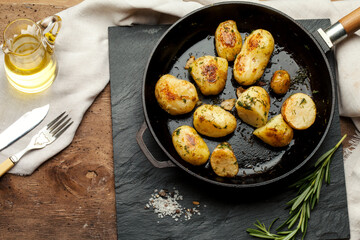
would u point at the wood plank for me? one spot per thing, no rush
(62, 3)
(72, 195)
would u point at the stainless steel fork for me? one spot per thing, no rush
(43, 138)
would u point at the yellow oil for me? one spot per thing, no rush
(29, 67)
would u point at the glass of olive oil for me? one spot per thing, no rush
(30, 63)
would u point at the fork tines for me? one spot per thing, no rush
(59, 125)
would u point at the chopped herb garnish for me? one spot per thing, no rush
(186, 149)
(177, 131)
(244, 105)
(224, 145)
(303, 101)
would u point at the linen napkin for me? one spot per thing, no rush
(82, 54)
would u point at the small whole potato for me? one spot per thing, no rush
(223, 161)
(253, 106)
(228, 40)
(209, 74)
(213, 121)
(175, 96)
(190, 146)
(276, 132)
(253, 58)
(299, 111)
(280, 82)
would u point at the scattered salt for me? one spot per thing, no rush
(166, 203)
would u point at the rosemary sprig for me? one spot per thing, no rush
(300, 207)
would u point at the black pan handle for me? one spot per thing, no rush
(149, 156)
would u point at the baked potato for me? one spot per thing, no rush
(299, 111)
(280, 82)
(253, 106)
(209, 74)
(223, 161)
(253, 58)
(213, 121)
(190, 146)
(228, 40)
(276, 132)
(175, 96)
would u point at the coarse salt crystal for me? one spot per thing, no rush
(166, 204)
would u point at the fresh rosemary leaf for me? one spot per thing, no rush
(291, 235)
(284, 232)
(308, 210)
(272, 223)
(327, 174)
(261, 236)
(300, 198)
(293, 220)
(325, 155)
(308, 195)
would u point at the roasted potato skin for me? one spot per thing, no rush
(209, 74)
(223, 161)
(299, 111)
(213, 121)
(228, 40)
(190, 146)
(276, 132)
(280, 82)
(228, 104)
(175, 96)
(253, 106)
(253, 58)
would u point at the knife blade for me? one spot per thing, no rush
(337, 32)
(22, 126)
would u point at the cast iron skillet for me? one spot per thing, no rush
(295, 51)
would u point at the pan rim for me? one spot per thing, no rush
(266, 182)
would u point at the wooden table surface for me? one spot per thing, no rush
(72, 195)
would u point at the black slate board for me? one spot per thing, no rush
(227, 213)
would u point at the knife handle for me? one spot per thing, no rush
(6, 166)
(351, 22)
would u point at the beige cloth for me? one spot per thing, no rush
(82, 53)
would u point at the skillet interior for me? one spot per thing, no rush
(295, 51)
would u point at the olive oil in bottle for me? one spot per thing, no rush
(29, 67)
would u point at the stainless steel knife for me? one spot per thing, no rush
(22, 126)
(337, 32)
